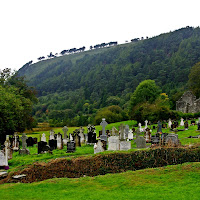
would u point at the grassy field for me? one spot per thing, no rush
(170, 182)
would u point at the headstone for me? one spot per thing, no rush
(43, 147)
(3, 159)
(155, 140)
(98, 147)
(30, 142)
(126, 131)
(114, 132)
(103, 124)
(15, 143)
(24, 145)
(148, 135)
(51, 136)
(146, 124)
(71, 147)
(122, 132)
(124, 145)
(172, 139)
(43, 137)
(176, 124)
(52, 144)
(140, 142)
(70, 137)
(170, 124)
(65, 139)
(140, 127)
(9, 149)
(130, 135)
(91, 136)
(159, 127)
(81, 134)
(186, 125)
(113, 143)
(59, 141)
(182, 122)
(76, 138)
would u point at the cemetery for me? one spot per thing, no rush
(123, 146)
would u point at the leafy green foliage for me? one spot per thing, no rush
(194, 79)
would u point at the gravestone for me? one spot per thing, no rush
(159, 130)
(146, 124)
(172, 140)
(113, 143)
(59, 141)
(43, 138)
(15, 144)
(98, 147)
(122, 132)
(186, 125)
(3, 159)
(140, 142)
(65, 139)
(114, 132)
(70, 137)
(52, 144)
(76, 138)
(148, 135)
(71, 147)
(170, 124)
(124, 145)
(182, 122)
(81, 134)
(140, 127)
(30, 142)
(51, 136)
(43, 147)
(103, 137)
(126, 131)
(91, 136)
(130, 135)
(176, 124)
(155, 139)
(24, 145)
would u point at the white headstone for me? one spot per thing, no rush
(113, 143)
(59, 141)
(51, 136)
(43, 138)
(170, 124)
(125, 145)
(182, 122)
(140, 127)
(98, 147)
(146, 124)
(130, 135)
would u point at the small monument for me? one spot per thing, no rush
(24, 150)
(140, 142)
(170, 124)
(113, 143)
(59, 141)
(182, 122)
(91, 136)
(98, 147)
(103, 137)
(126, 131)
(130, 135)
(146, 124)
(81, 134)
(51, 136)
(186, 125)
(65, 139)
(15, 143)
(122, 132)
(43, 138)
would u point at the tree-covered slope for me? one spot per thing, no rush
(107, 76)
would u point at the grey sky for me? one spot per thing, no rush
(34, 28)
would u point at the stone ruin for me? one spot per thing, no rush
(188, 103)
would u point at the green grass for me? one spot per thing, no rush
(170, 182)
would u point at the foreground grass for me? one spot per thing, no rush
(170, 182)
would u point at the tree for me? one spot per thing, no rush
(16, 104)
(194, 79)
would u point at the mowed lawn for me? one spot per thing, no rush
(170, 182)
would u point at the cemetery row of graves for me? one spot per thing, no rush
(124, 138)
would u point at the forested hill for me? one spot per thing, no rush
(105, 76)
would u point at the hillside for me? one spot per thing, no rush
(83, 82)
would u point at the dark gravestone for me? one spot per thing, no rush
(53, 144)
(155, 139)
(71, 147)
(43, 147)
(186, 125)
(30, 142)
(77, 140)
(91, 134)
(55, 136)
(176, 124)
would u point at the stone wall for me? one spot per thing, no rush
(188, 103)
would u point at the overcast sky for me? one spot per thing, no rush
(34, 28)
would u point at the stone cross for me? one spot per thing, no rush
(65, 129)
(104, 124)
(146, 124)
(121, 129)
(24, 137)
(126, 131)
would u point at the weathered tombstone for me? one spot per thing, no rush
(65, 139)
(159, 127)
(81, 134)
(98, 147)
(103, 137)
(24, 145)
(30, 142)
(170, 124)
(71, 147)
(124, 145)
(4, 159)
(51, 136)
(59, 141)
(140, 127)
(114, 132)
(182, 122)
(91, 136)
(148, 135)
(186, 125)
(121, 132)
(43, 138)
(155, 140)
(172, 140)
(130, 135)
(126, 131)
(15, 143)
(138, 133)
(76, 138)
(146, 124)
(140, 142)
(52, 144)
(113, 143)
(43, 147)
